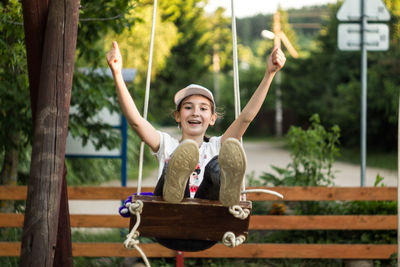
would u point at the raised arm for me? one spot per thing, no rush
(274, 63)
(142, 127)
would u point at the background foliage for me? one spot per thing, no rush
(328, 83)
(323, 80)
(15, 113)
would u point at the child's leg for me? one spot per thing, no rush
(232, 161)
(182, 244)
(158, 191)
(182, 163)
(209, 187)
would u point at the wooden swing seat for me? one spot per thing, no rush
(195, 219)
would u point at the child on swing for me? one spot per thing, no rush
(196, 166)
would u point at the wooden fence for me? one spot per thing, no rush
(257, 222)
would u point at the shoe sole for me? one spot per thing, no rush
(232, 162)
(182, 163)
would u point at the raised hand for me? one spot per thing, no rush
(276, 60)
(114, 59)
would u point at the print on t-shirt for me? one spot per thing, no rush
(194, 181)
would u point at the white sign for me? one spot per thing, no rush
(106, 117)
(74, 144)
(375, 10)
(75, 148)
(376, 37)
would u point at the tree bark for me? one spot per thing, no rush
(35, 18)
(50, 131)
(63, 254)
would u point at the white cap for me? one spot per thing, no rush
(193, 89)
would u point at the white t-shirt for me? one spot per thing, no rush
(207, 151)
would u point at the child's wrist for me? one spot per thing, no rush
(116, 73)
(269, 73)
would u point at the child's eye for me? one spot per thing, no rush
(203, 108)
(187, 107)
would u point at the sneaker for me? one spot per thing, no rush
(181, 164)
(232, 162)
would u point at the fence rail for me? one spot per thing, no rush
(297, 193)
(257, 222)
(292, 251)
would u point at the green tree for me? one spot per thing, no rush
(189, 59)
(96, 19)
(134, 42)
(15, 115)
(219, 35)
(92, 90)
(328, 83)
(252, 68)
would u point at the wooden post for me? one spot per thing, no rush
(278, 78)
(180, 260)
(216, 71)
(277, 29)
(51, 108)
(280, 36)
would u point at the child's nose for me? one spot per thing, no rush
(196, 111)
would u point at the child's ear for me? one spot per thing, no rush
(177, 116)
(213, 119)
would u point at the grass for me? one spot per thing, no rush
(376, 159)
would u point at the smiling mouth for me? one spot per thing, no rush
(194, 122)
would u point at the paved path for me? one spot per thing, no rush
(260, 157)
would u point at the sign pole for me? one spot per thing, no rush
(363, 116)
(363, 36)
(398, 184)
(124, 150)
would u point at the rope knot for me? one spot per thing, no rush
(136, 206)
(230, 240)
(131, 241)
(239, 212)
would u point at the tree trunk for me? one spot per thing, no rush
(63, 254)
(35, 18)
(39, 237)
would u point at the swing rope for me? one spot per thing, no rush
(235, 63)
(137, 206)
(236, 88)
(265, 191)
(237, 99)
(131, 241)
(229, 238)
(147, 94)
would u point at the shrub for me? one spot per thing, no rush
(312, 152)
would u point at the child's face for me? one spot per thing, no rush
(195, 115)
